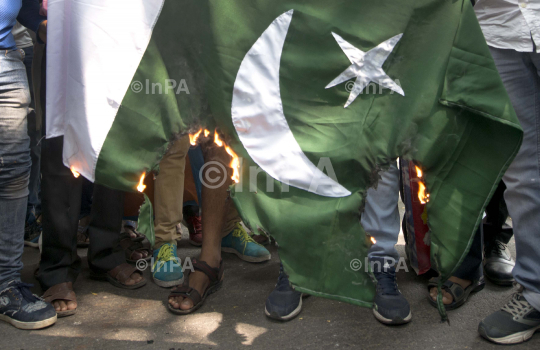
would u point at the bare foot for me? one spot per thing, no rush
(135, 278)
(447, 297)
(198, 281)
(64, 305)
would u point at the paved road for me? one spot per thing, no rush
(233, 318)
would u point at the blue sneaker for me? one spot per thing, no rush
(284, 303)
(390, 306)
(239, 242)
(23, 309)
(166, 268)
(32, 231)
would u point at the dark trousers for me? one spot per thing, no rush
(61, 204)
(496, 215)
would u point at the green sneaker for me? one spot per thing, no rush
(166, 268)
(240, 243)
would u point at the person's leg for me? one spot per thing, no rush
(498, 262)
(19, 306)
(215, 205)
(168, 201)
(520, 318)
(380, 220)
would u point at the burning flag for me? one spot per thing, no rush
(319, 95)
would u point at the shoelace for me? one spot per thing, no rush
(386, 282)
(195, 221)
(498, 248)
(166, 254)
(243, 235)
(283, 281)
(517, 306)
(24, 289)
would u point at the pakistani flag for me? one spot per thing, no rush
(321, 96)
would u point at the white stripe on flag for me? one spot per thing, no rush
(94, 49)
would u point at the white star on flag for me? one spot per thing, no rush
(366, 67)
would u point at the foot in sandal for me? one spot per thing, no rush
(123, 276)
(63, 298)
(203, 281)
(455, 291)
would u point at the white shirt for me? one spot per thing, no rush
(509, 24)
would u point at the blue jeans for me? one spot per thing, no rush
(380, 220)
(520, 73)
(14, 162)
(34, 201)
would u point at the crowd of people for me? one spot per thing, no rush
(43, 204)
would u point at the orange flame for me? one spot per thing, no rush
(193, 137)
(373, 240)
(235, 162)
(422, 195)
(419, 172)
(206, 133)
(141, 187)
(75, 172)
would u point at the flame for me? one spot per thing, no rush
(373, 240)
(75, 172)
(419, 172)
(206, 133)
(217, 140)
(235, 162)
(422, 195)
(193, 138)
(141, 187)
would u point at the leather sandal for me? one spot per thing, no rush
(215, 275)
(118, 276)
(459, 295)
(63, 291)
(132, 246)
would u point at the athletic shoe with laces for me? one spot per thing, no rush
(239, 242)
(390, 306)
(515, 323)
(24, 310)
(166, 268)
(284, 303)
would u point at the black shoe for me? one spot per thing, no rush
(284, 303)
(23, 309)
(390, 306)
(498, 264)
(515, 323)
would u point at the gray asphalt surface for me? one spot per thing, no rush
(233, 318)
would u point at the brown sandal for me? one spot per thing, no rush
(62, 291)
(215, 275)
(118, 276)
(132, 246)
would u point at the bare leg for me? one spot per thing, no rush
(215, 204)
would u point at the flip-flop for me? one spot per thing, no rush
(215, 275)
(63, 291)
(118, 276)
(459, 295)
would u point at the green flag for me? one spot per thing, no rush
(321, 96)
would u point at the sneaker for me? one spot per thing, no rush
(284, 303)
(390, 306)
(194, 226)
(515, 323)
(32, 232)
(498, 264)
(23, 309)
(240, 243)
(166, 268)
